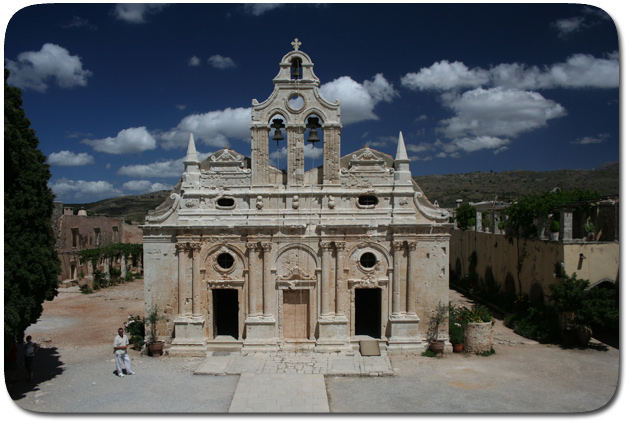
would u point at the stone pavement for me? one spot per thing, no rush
(288, 382)
(330, 364)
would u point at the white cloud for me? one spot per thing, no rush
(568, 26)
(128, 141)
(445, 75)
(80, 189)
(221, 62)
(136, 13)
(53, 63)
(579, 70)
(587, 140)
(309, 152)
(78, 22)
(165, 168)
(213, 128)
(145, 186)
(420, 147)
(194, 61)
(68, 158)
(258, 9)
(471, 144)
(358, 100)
(498, 112)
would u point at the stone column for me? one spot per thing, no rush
(565, 225)
(398, 246)
(295, 155)
(268, 292)
(253, 250)
(196, 284)
(340, 246)
(326, 249)
(331, 153)
(410, 285)
(260, 155)
(123, 266)
(181, 278)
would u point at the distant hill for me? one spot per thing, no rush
(509, 185)
(446, 189)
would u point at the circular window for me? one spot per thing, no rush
(225, 260)
(368, 260)
(296, 102)
(367, 201)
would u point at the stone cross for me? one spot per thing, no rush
(296, 44)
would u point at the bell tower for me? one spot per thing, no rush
(297, 101)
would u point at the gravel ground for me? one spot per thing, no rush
(74, 372)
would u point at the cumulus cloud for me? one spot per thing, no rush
(128, 141)
(80, 189)
(309, 152)
(194, 61)
(145, 186)
(258, 9)
(78, 22)
(221, 62)
(212, 128)
(136, 13)
(358, 100)
(53, 63)
(68, 158)
(471, 144)
(445, 75)
(578, 71)
(497, 112)
(164, 168)
(588, 140)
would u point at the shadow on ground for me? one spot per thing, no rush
(46, 366)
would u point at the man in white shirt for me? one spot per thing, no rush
(121, 342)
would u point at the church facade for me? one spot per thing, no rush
(245, 255)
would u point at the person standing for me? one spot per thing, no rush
(29, 355)
(121, 342)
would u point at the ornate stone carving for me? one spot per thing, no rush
(259, 202)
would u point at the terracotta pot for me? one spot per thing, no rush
(437, 346)
(156, 348)
(457, 347)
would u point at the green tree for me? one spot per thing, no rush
(465, 216)
(31, 265)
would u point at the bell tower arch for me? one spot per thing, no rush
(297, 99)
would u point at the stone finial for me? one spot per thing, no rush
(400, 154)
(191, 156)
(296, 43)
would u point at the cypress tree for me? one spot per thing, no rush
(31, 264)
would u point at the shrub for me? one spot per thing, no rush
(478, 314)
(534, 323)
(428, 353)
(135, 327)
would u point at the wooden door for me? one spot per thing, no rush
(295, 309)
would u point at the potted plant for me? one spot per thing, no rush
(440, 314)
(155, 347)
(134, 327)
(456, 329)
(589, 229)
(478, 328)
(554, 230)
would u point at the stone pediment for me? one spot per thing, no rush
(226, 161)
(367, 161)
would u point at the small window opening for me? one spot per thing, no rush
(225, 260)
(225, 202)
(368, 260)
(296, 72)
(368, 200)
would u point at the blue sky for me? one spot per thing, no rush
(113, 91)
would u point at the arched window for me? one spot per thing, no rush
(296, 71)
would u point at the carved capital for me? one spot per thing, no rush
(397, 245)
(266, 246)
(252, 246)
(195, 246)
(181, 247)
(340, 246)
(412, 245)
(325, 245)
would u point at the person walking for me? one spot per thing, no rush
(29, 355)
(121, 342)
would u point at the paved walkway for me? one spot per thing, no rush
(288, 382)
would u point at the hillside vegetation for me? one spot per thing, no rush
(446, 189)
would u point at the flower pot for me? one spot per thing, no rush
(156, 348)
(478, 337)
(437, 346)
(457, 347)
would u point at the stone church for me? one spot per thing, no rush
(244, 255)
